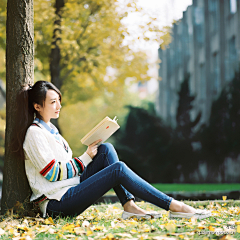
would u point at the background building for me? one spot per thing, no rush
(206, 46)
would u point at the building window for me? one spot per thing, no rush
(199, 33)
(215, 69)
(213, 22)
(199, 21)
(233, 6)
(212, 7)
(232, 57)
(199, 15)
(192, 86)
(232, 49)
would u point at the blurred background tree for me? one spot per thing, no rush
(144, 144)
(221, 139)
(89, 37)
(184, 134)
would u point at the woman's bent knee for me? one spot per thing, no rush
(106, 147)
(120, 165)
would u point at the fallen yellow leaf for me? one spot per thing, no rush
(133, 222)
(215, 224)
(89, 232)
(68, 227)
(43, 228)
(200, 226)
(110, 236)
(211, 228)
(98, 228)
(133, 231)
(170, 227)
(49, 221)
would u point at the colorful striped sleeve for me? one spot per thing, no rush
(79, 163)
(55, 171)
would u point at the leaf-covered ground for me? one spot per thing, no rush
(104, 222)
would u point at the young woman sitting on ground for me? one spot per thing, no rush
(63, 185)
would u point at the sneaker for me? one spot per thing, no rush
(154, 214)
(199, 214)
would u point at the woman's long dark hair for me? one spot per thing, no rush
(25, 114)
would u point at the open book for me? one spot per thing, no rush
(103, 131)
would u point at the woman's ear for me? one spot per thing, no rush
(37, 107)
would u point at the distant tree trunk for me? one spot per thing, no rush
(55, 56)
(19, 71)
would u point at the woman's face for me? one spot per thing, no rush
(51, 106)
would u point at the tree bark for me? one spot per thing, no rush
(55, 56)
(19, 71)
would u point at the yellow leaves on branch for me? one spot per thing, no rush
(91, 40)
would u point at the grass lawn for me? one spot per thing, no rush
(196, 187)
(175, 187)
(104, 222)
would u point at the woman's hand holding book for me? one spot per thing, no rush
(92, 149)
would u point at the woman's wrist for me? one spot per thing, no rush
(86, 158)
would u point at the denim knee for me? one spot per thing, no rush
(106, 147)
(120, 165)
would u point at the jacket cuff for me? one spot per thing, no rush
(86, 159)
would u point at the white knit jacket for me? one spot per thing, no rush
(41, 147)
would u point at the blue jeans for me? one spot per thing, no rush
(102, 174)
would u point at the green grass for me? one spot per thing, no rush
(175, 187)
(196, 187)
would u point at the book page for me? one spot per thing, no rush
(96, 127)
(102, 131)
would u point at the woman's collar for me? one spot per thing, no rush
(52, 129)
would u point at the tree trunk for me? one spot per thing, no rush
(19, 71)
(55, 55)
